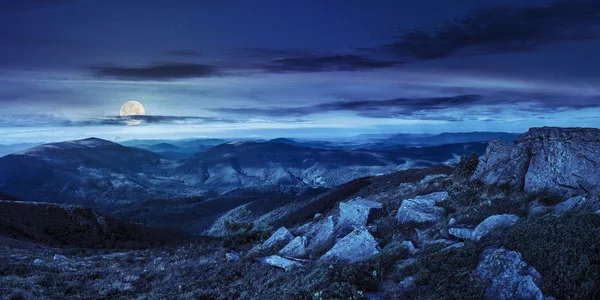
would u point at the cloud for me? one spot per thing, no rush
(156, 72)
(451, 108)
(183, 53)
(317, 63)
(501, 30)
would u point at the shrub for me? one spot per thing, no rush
(565, 250)
(448, 275)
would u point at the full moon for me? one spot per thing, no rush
(132, 108)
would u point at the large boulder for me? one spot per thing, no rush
(295, 248)
(491, 223)
(282, 235)
(422, 209)
(356, 212)
(507, 276)
(564, 161)
(358, 245)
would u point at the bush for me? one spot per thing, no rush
(447, 275)
(466, 167)
(565, 250)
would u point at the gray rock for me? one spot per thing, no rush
(279, 262)
(115, 255)
(491, 223)
(317, 215)
(232, 256)
(564, 161)
(159, 259)
(430, 178)
(407, 284)
(577, 204)
(507, 276)
(597, 212)
(461, 233)
(38, 261)
(356, 212)
(282, 235)
(408, 245)
(317, 233)
(295, 248)
(453, 246)
(422, 209)
(358, 245)
(451, 222)
(59, 257)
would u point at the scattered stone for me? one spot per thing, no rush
(491, 223)
(507, 276)
(356, 212)
(157, 260)
(375, 295)
(597, 212)
(453, 246)
(279, 262)
(407, 284)
(461, 233)
(114, 255)
(410, 247)
(282, 235)
(422, 209)
(232, 256)
(359, 245)
(38, 261)
(59, 257)
(451, 222)
(296, 248)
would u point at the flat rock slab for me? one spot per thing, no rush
(507, 276)
(279, 262)
(359, 245)
(356, 212)
(491, 223)
(422, 209)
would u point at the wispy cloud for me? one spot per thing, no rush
(429, 108)
(156, 72)
(501, 30)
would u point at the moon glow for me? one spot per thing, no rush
(132, 108)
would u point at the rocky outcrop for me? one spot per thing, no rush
(356, 212)
(358, 245)
(422, 209)
(507, 276)
(564, 161)
(491, 223)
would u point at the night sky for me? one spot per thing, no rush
(311, 68)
